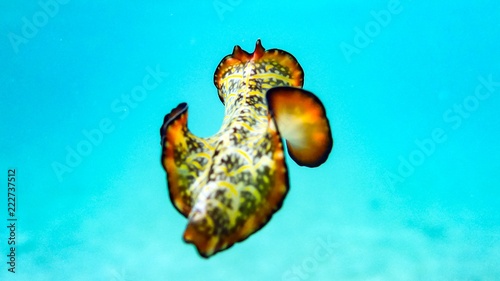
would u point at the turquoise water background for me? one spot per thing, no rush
(411, 89)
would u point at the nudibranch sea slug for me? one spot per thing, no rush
(229, 185)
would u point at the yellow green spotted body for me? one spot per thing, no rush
(229, 185)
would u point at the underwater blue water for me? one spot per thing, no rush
(411, 190)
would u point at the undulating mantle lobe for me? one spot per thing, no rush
(229, 185)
